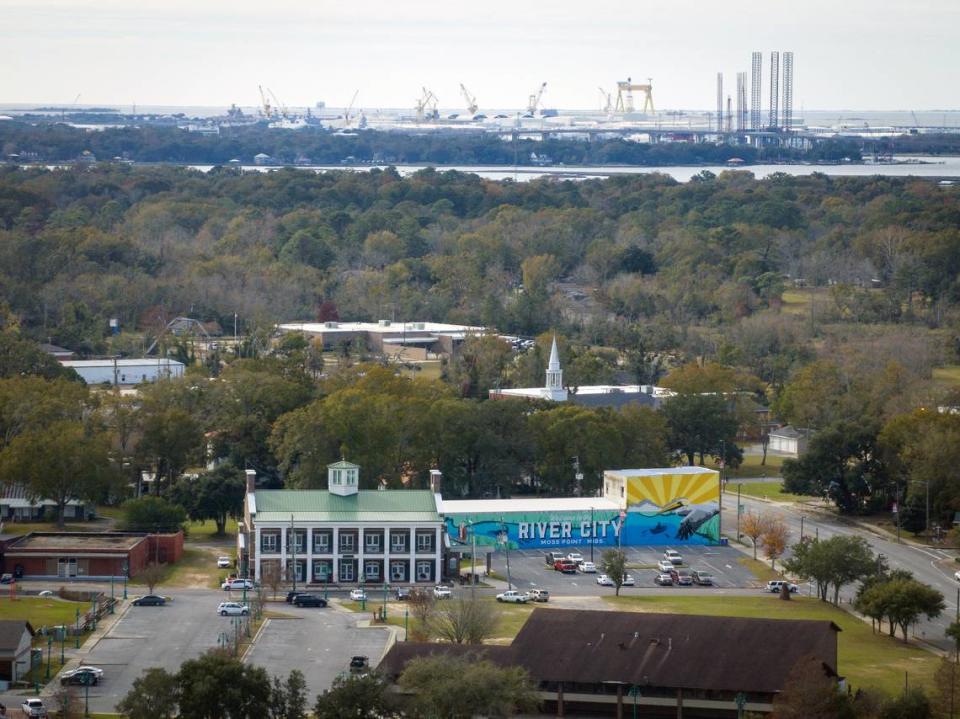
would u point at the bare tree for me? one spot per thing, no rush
(774, 539)
(152, 574)
(67, 702)
(272, 576)
(465, 621)
(753, 525)
(423, 607)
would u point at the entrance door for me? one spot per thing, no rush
(66, 567)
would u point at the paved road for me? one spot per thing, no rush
(318, 642)
(931, 566)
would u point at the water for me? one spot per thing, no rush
(939, 167)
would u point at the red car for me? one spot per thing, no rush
(567, 566)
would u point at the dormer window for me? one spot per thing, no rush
(342, 478)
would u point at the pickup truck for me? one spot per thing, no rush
(513, 596)
(567, 566)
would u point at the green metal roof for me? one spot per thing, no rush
(319, 505)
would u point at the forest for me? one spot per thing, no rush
(44, 141)
(831, 303)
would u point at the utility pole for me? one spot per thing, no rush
(592, 538)
(738, 511)
(473, 561)
(506, 549)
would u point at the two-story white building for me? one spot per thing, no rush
(341, 535)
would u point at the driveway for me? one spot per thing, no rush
(317, 641)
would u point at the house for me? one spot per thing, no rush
(789, 440)
(125, 371)
(16, 637)
(341, 534)
(60, 353)
(667, 665)
(17, 505)
(89, 555)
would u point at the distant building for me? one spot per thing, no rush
(789, 440)
(342, 534)
(417, 340)
(16, 641)
(601, 395)
(16, 505)
(60, 353)
(667, 665)
(262, 158)
(125, 371)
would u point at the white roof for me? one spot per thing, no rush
(144, 362)
(657, 471)
(375, 327)
(589, 389)
(526, 504)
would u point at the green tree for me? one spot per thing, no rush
(215, 495)
(953, 632)
(61, 462)
(151, 514)
(613, 563)
(839, 560)
(216, 685)
(288, 700)
(912, 704)
(358, 696)
(170, 440)
(902, 602)
(154, 695)
(33, 403)
(702, 424)
(462, 687)
(20, 358)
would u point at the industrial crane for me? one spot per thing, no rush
(265, 104)
(283, 108)
(472, 105)
(427, 106)
(534, 102)
(606, 102)
(625, 90)
(347, 116)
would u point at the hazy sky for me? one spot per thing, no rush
(849, 54)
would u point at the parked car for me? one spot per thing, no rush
(604, 581)
(442, 592)
(358, 595)
(359, 665)
(956, 575)
(33, 708)
(663, 579)
(309, 600)
(701, 577)
(292, 596)
(233, 609)
(538, 595)
(681, 576)
(512, 596)
(6, 578)
(150, 600)
(628, 581)
(588, 567)
(237, 584)
(79, 677)
(774, 586)
(45, 593)
(575, 557)
(673, 556)
(403, 593)
(552, 558)
(224, 562)
(93, 670)
(664, 566)
(565, 565)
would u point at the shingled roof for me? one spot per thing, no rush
(11, 632)
(660, 650)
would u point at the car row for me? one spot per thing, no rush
(570, 563)
(606, 581)
(512, 596)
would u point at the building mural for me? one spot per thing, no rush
(660, 509)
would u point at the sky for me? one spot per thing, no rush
(848, 54)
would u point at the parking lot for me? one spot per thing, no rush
(528, 569)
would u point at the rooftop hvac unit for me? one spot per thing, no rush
(384, 323)
(331, 325)
(419, 326)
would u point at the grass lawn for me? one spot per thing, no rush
(948, 376)
(41, 611)
(511, 617)
(197, 568)
(760, 569)
(206, 531)
(751, 467)
(767, 490)
(866, 659)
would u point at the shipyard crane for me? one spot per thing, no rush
(606, 102)
(427, 106)
(265, 104)
(472, 105)
(347, 116)
(534, 102)
(283, 108)
(625, 90)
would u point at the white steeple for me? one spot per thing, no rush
(554, 388)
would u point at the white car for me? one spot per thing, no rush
(33, 708)
(224, 562)
(775, 586)
(233, 609)
(513, 596)
(575, 557)
(604, 581)
(673, 556)
(628, 581)
(358, 595)
(956, 575)
(588, 567)
(45, 593)
(442, 592)
(664, 566)
(93, 670)
(237, 584)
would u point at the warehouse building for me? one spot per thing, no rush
(342, 534)
(121, 372)
(638, 507)
(415, 340)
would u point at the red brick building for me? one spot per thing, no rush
(73, 555)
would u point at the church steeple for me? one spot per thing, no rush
(554, 388)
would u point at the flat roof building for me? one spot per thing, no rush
(125, 371)
(415, 339)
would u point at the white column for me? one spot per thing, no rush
(283, 552)
(361, 573)
(335, 556)
(412, 534)
(308, 553)
(256, 559)
(438, 548)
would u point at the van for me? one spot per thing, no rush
(539, 595)
(552, 558)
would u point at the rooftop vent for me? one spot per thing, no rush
(384, 323)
